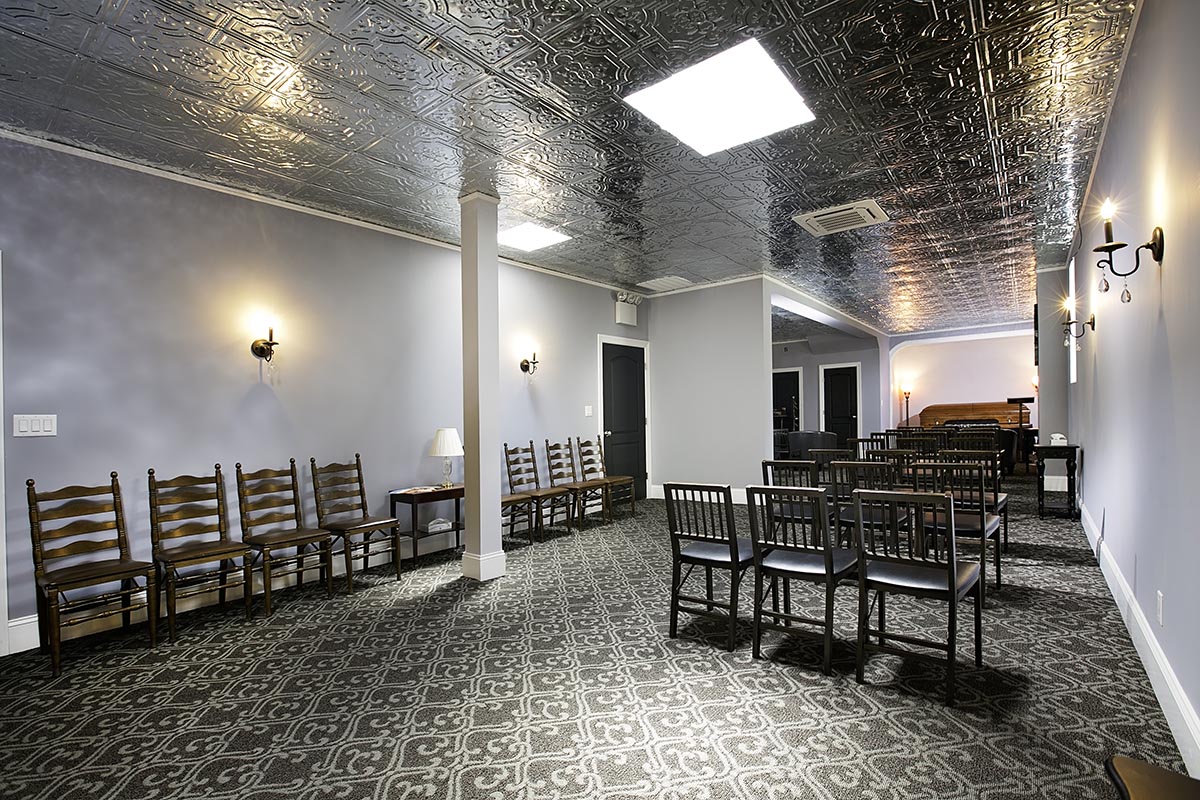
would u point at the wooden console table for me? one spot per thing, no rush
(417, 495)
(1068, 452)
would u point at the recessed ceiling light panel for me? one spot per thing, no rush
(666, 283)
(732, 98)
(530, 236)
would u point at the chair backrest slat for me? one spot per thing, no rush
(560, 462)
(269, 489)
(790, 473)
(591, 459)
(851, 475)
(906, 528)
(701, 512)
(824, 458)
(521, 463)
(187, 497)
(790, 518)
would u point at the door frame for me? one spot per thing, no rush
(601, 340)
(858, 379)
(800, 388)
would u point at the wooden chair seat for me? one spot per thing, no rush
(351, 525)
(93, 572)
(340, 492)
(1137, 780)
(593, 468)
(287, 537)
(200, 551)
(546, 494)
(515, 499)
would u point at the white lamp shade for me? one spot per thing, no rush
(446, 443)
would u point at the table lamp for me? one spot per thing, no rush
(447, 445)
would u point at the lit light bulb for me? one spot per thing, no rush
(1103, 287)
(1126, 296)
(1067, 340)
(1108, 209)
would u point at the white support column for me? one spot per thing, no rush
(484, 556)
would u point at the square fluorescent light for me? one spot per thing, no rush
(530, 236)
(732, 98)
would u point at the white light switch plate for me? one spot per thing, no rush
(35, 424)
(587, 411)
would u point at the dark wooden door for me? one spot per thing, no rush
(841, 402)
(786, 400)
(625, 413)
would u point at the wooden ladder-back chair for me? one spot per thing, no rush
(791, 534)
(966, 484)
(523, 478)
(560, 465)
(341, 496)
(703, 534)
(592, 467)
(185, 513)
(273, 521)
(897, 557)
(79, 514)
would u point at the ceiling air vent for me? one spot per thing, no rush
(665, 284)
(841, 218)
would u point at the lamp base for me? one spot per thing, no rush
(447, 468)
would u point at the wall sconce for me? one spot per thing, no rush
(1069, 330)
(264, 348)
(1155, 246)
(529, 365)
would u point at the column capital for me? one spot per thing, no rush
(473, 196)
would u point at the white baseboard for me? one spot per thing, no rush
(23, 631)
(1056, 483)
(484, 566)
(1181, 714)
(656, 492)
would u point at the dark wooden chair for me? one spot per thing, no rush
(851, 475)
(341, 495)
(965, 483)
(185, 513)
(560, 465)
(901, 461)
(790, 473)
(523, 478)
(863, 447)
(791, 536)
(273, 523)
(79, 514)
(897, 557)
(923, 443)
(703, 534)
(512, 507)
(1137, 780)
(824, 457)
(592, 467)
(993, 465)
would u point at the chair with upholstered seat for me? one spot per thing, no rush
(921, 561)
(341, 495)
(186, 513)
(993, 465)
(824, 457)
(851, 475)
(965, 483)
(901, 461)
(78, 515)
(560, 466)
(273, 523)
(1137, 780)
(592, 467)
(523, 478)
(703, 534)
(792, 540)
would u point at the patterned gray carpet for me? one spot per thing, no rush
(559, 681)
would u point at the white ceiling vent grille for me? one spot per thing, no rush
(665, 284)
(841, 218)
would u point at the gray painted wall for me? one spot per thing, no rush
(1052, 361)
(799, 355)
(710, 376)
(125, 298)
(1133, 410)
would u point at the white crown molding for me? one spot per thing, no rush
(198, 183)
(962, 337)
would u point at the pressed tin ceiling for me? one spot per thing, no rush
(789, 327)
(973, 123)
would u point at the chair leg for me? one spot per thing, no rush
(348, 555)
(708, 585)
(396, 550)
(759, 599)
(861, 649)
(983, 572)
(952, 652)
(172, 577)
(266, 570)
(997, 549)
(222, 580)
(300, 567)
(632, 500)
(152, 606)
(978, 630)
(830, 589)
(248, 584)
(327, 566)
(1006, 528)
(126, 601)
(882, 617)
(43, 627)
(735, 579)
(676, 569)
(55, 633)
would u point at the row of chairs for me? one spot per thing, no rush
(868, 530)
(570, 491)
(927, 441)
(186, 512)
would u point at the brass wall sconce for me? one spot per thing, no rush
(1155, 246)
(1069, 330)
(529, 365)
(265, 348)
